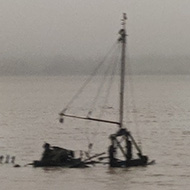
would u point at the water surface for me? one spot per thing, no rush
(157, 112)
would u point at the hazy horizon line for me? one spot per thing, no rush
(61, 65)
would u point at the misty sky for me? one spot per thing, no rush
(79, 29)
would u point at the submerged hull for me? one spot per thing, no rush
(58, 157)
(136, 162)
(130, 163)
(75, 163)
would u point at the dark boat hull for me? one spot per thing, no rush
(58, 157)
(126, 164)
(75, 163)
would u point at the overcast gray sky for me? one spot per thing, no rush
(88, 28)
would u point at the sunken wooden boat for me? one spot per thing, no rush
(122, 140)
(59, 157)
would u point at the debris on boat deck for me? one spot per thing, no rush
(59, 157)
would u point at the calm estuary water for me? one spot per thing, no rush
(157, 113)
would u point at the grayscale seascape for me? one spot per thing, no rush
(29, 108)
(48, 49)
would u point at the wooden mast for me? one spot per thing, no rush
(122, 39)
(122, 32)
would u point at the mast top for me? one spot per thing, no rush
(123, 21)
(122, 32)
(124, 18)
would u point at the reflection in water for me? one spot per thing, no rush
(29, 107)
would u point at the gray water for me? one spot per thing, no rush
(158, 114)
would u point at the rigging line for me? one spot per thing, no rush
(88, 80)
(99, 90)
(110, 83)
(131, 86)
(119, 69)
(111, 80)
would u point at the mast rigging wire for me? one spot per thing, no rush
(88, 80)
(110, 83)
(131, 86)
(111, 67)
